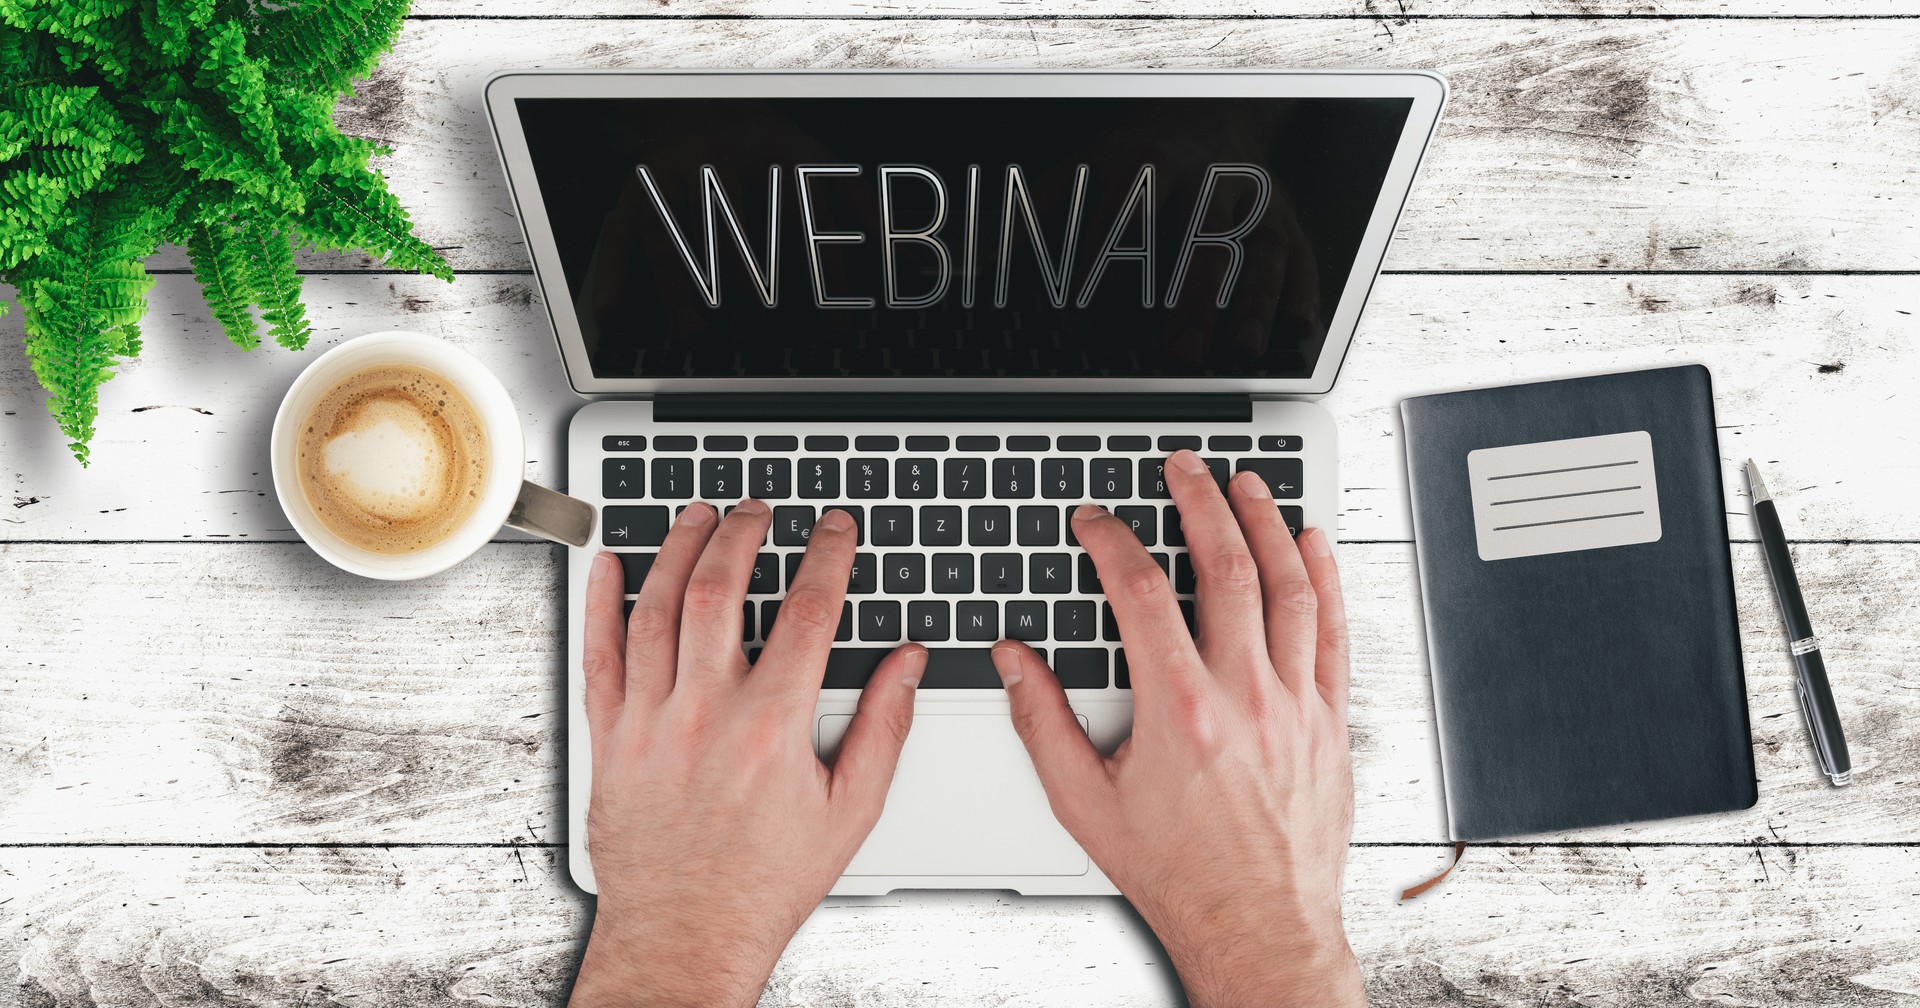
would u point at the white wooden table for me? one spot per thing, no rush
(231, 774)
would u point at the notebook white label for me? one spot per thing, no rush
(1562, 496)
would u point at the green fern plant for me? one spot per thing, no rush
(128, 124)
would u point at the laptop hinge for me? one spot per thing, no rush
(953, 407)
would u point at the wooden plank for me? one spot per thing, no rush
(1779, 926)
(1816, 375)
(1395, 13)
(198, 693)
(1569, 145)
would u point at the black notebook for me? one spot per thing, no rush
(1581, 627)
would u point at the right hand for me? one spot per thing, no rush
(1225, 817)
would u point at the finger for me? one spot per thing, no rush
(1226, 581)
(653, 631)
(1144, 607)
(863, 771)
(795, 660)
(1286, 593)
(1330, 664)
(1070, 769)
(603, 650)
(710, 655)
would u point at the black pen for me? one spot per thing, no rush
(1816, 698)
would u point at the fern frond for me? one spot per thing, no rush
(323, 46)
(221, 266)
(276, 284)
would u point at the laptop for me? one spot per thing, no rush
(956, 305)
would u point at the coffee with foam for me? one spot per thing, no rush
(392, 459)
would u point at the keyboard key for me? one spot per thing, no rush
(769, 611)
(989, 526)
(892, 526)
(827, 442)
(766, 575)
(928, 621)
(1217, 467)
(1129, 443)
(722, 478)
(1067, 516)
(978, 621)
(866, 478)
(724, 443)
(1229, 443)
(1027, 620)
(1153, 478)
(966, 478)
(634, 526)
(879, 621)
(927, 442)
(1039, 525)
(770, 479)
(1079, 442)
(819, 477)
(621, 478)
(1109, 627)
(746, 622)
(1170, 443)
(940, 526)
(1081, 668)
(876, 442)
(1110, 477)
(1121, 676)
(1013, 478)
(776, 443)
(904, 573)
(859, 516)
(960, 668)
(1073, 621)
(675, 442)
(623, 443)
(1141, 518)
(1060, 478)
(672, 477)
(1029, 442)
(977, 442)
(1280, 442)
(1164, 560)
(1000, 573)
(793, 568)
(1183, 573)
(1294, 517)
(1089, 577)
(635, 566)
(864, 579)
(792, 525)
(1049, 574)
(1171, 532)
(914, 478)
(1282, 476)
(952, 574)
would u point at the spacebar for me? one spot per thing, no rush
(947, 668)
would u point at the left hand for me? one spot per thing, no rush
(714, 829)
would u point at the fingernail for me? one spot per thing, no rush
(751, 506)
(1252, 485)
(836, 521)
(1187, 462)
(1008, 678)
(696, 514)
(1087, 512)
(603, 565)
(1317, 542)
(916, 664)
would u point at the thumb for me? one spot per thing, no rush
(871, 748)
(1070, 768)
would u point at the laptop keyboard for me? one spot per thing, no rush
(962, 539)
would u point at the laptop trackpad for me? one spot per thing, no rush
(965, 801)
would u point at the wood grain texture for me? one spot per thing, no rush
(1815, 376)
(1390, 12)
(204, 693)
(1568, 144)
(1631, 927)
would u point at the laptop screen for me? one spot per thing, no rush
(965, 237)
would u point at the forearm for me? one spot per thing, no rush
(1273, 963)
(628, 967)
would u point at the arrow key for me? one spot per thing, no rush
(1282, 475)
(633, 526)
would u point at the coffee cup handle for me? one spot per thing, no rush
(552, 515)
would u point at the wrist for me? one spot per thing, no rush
(1270, 964)
(629, 966)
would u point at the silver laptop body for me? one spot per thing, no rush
(957, 304)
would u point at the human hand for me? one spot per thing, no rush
(714, 829)
(1225, 817)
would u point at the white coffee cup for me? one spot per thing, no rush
(506, 499)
